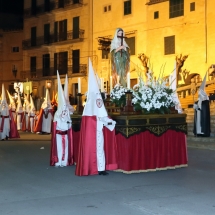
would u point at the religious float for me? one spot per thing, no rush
(150, 134)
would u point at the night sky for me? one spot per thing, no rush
(11, 6)
(11, 14)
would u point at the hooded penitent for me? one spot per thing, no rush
(202, 112)
(66, 94)
(4, 122)
(47, 102)
(19, 108)
(61, 144)
(12, 101)
(202, 95)
(93, 119)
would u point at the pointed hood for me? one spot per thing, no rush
(32, 106)
(94, 105)
(19, 104)
(3, 95)
(66, 94)
(62, 108)
(26, 99)
(3, 98)
(202, 94)
(47, 102)
(53, 101)
(12, 101)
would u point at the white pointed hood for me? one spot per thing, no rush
(173, 86)
(12, 101)
(47, 102)
(32, 106)
(202, 94)
(19, 104)
(66, 94)
(62, 107)
(3, 98)
(94, 105)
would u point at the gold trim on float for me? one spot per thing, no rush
(182, 127)
(151, 170)
(128, 131)
(158, 129)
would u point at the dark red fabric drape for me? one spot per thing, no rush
(145, 151)
(140, 152)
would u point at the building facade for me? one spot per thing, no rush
(56, 37)
(11, 57)
(62, 34)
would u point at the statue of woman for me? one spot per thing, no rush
(120, 57)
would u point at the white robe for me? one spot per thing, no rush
(19, 120)
(47, 122)
(6, 127)
(102, 121)
(62, 154)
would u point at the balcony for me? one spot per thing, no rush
(40, 74)
(52, 6)
(69, 36)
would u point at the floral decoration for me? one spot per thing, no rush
(117, 95)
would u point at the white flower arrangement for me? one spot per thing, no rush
(117, 95)
(153, 97)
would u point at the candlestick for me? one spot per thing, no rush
(102, 84)
(111, 83)
(117, 79)
(79, 85)
(128, 80)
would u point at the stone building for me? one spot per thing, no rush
(61, 35)
(11, 57)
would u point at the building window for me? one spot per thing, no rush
(127, 7)
(192, 6)
(33, 7)
(61, 62)
(156, 14)
(15, 49)
(33, 64)
(76, 61)
(176, 8)
(60, 30)
(76, 26)
(46, 65)
(107, 8)
(131, 43)
(169, 45)
(33, 36)
(47, 33)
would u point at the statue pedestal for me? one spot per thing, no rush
(128, 109)
(79, 108)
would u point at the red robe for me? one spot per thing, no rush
(53, 154)
(87, 160)
(38, 126)
(13, 129)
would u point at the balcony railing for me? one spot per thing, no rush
(47, 72)
(69, 36)
(53, 5)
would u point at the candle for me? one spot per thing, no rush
(128, 80)
(79, 85)
(111, 83)
(117, 79)
(102, 84)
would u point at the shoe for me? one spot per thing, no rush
(103, 173)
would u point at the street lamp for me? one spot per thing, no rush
(48, 84)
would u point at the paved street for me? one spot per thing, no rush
(29, 186)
